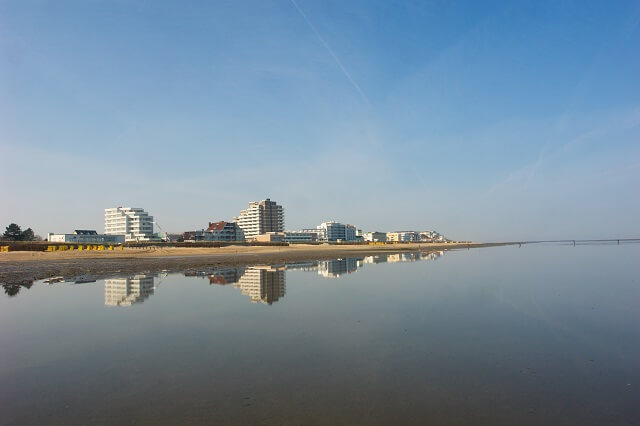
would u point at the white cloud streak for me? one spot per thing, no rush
(333, 55)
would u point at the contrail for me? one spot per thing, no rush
(333, 55)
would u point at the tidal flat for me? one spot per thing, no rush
(538, 334)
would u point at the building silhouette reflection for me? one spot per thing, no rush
(225, 276)
(262, 284)
(378, 258)
(218, 276)
(128, 291)
(337, 267)
(265, 284)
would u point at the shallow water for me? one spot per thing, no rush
(542, 334)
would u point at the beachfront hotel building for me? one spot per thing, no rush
(335, 231)
(132, 222)
(261, 217)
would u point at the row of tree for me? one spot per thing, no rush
(14, 233)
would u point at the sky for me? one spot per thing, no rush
(486, 121)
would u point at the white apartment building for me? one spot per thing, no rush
(132, 222)
(403, 236)
(431, 236)
(336, 231)
(261, 217)
(375, 236)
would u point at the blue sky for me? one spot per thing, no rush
(484, 120)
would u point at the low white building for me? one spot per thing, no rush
(403, 236)
(375, 236)
(302, 236)
(83, 236)
(426, 236)
(431, 237)
(132, 222)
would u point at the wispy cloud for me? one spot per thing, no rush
(333, 55)
(603, 129)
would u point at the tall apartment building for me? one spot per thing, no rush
(134, 223)
(261, 217)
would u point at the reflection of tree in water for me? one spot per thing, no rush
(12, 289)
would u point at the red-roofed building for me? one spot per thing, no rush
(217, 231)
(225, 231)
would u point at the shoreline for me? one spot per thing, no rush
(21, 267)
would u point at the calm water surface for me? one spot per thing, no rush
(546, 334)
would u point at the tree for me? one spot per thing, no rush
(13, 232)
(11, 289)
(28, 235)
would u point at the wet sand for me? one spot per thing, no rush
(18, 266)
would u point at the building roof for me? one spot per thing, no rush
(85, 232)
(217, 226)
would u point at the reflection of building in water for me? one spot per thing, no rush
(432, 255)
(403, 257)
(127, 291)
(220, 276)
(264, 284)
(224, 276)
(377, 258)
(335, 268)
(303, 266)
